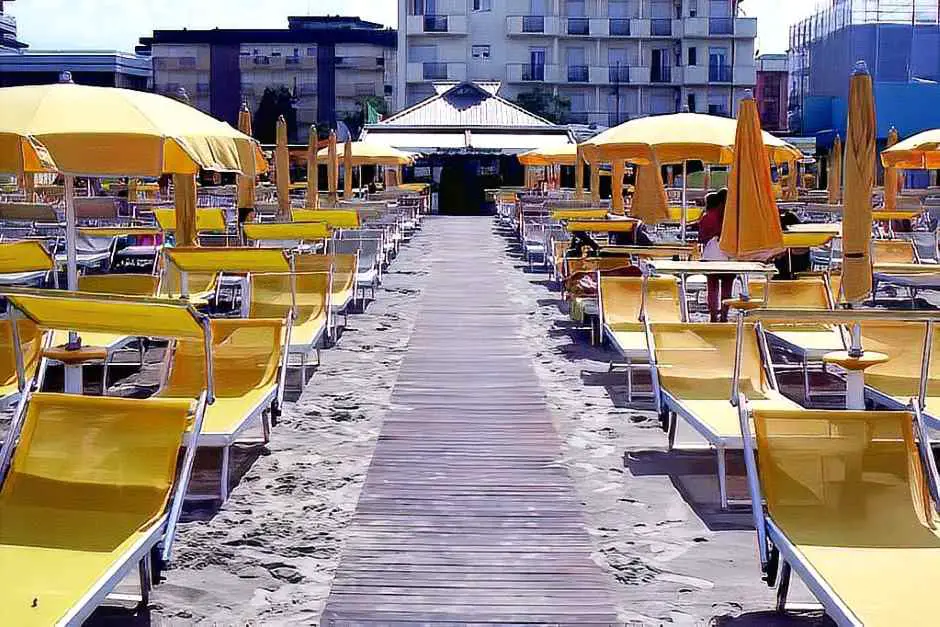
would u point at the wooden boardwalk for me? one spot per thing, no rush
(466, 516)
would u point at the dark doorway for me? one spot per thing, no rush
(461, 190)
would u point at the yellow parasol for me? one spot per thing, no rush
(919, 152)
(751, 228)
(579, 173)
(348, 171)
(313, 170)
(23, 153)
(373, 154)
(891, 176)
(859, 179)
(650, 203)
(595, 183)
(245, 184)
(333, 167)
(565, 154)
(616, 187)
(835, 172)
(282, 170)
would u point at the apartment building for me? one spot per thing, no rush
(8, 40)
(328, 63)
(612, 59)
(773, 71)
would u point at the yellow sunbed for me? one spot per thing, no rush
(286, 234)
(848, 508)
(334, 218)
(32, 342)
(601, 226)
(579, 214)
(693, 378)
(891, 251)
(24, 261)
(307, 294)
(207, 220)
(344, 269)
(692, 214)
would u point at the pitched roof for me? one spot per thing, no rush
(467, 105)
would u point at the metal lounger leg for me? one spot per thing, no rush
(783, 586)
(629, 380)
(672, 427)
(806, 391)
(223, 473)
(722, 477)
(145, 573)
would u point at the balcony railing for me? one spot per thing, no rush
(533, 72)
(435, 23)
(579, 26)
(578, 74)
(721, 26)
(533, 23)
(661, 74)
(619, 74)
(435, 71)
(259, 60)
(8, 23)
(577, 117)
(719, 73)
(616, 119)
(619, 27)
(661, 27)
(291, 60)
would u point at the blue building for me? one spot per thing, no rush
(900, 42)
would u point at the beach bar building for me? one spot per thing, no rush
(468, 138)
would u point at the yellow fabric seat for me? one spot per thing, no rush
(344, 275)
(848, 492)
(31, 342)
(899, 377)
(88, 483)
(271, 298)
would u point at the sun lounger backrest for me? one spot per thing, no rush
(335, 218)
(245, 355)
(127, 284)
(207, 220)
(25, 256)
(903, 342)
(31, 343)
(196, 282)
(893, 251)
(698, 358)
(98, 208)
(104, 454)
(622, 299)
(842, 478)
(805, 293)
(344, 270)
(271, 295)
(367, 249)
(27, 212)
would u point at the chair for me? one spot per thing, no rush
(246, 357)
(850, 507)
(209, 221)
(32, 342)
(693, 373)
(333, 218)
(343, 283)
(25, 262)
(367, 253)
(287, 235)
(624, 310)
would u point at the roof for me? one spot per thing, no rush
(466, 105)
(76, 61)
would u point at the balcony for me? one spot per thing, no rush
(7, 24)
(578, 74)
(661, 27)
(292, 60)
(578, 26)
(363, 64)
(436, 71)
(695, 74)
(533, 25)
(695, 27)
(720, 26)
(618, 74)
(661, 74)
(618, 27)
(745, 75)
(437, 24)
(532, 73)
(719, 73)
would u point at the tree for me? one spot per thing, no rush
(545, 104)
(275, 102)
(355, 121)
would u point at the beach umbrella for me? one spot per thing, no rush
(595, 182)
(347, 171)
(891, 175)
(650, 203)
(245, 183)
(859, 180)
(564, 154)
(23, 153)
(333, 167)
(751, 228)
(579, 173)
(374, 154)
(616, 186)
(918, 152)
(835, 172)
(282, 170)
(105, 131)
(313, 171)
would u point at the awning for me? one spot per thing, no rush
(469, 142)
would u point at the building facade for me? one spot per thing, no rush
(8, 40)
(611, 59)
(328, 63)
(101, 68)
(771, 92)
(899, 42)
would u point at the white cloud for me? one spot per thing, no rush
(119, 24)
(774, 18)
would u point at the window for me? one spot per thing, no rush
(311, 52)
(482, 5)
(693, 55)
(693, 8)
(480, 52)
(690, 102)
(422, 54)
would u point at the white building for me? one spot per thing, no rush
(613, 59)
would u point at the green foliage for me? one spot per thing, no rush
(355, 121)
(544, 103)
(275, 102)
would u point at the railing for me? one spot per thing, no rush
(435, 71)
(262, 60)
(579, 26)
(661, 74)
(619, 27)
(616, 119)
(533, 72)
(719, 73)
(8, 22)
(661, 27)
(291, 60)
(533, 23)
(578, 74)
(619, 74)
(435, 23)
(721, 26)
(577, 117)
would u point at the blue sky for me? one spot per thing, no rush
(118, 24)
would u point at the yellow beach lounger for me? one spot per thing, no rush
(344, 268)
(207, 220)
(849, 509)
(625, 308)
(333, 218)
(285, 234)
(246, 355)
(693, 374)
(32, 342)
(24, 262)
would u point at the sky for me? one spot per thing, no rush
(118, 24)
